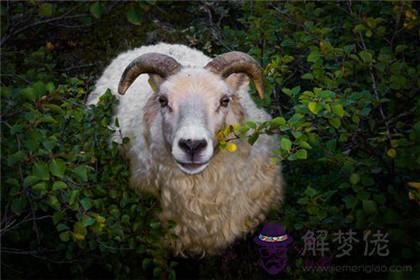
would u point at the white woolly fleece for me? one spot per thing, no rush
(212, 208)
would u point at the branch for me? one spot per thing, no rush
(24, 28)
(375, 90)
(32, 253)
(397, 24)
(71, 68)
(373, 79)
(13, 225)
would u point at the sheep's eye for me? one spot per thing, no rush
(224, 101)
(163, 101)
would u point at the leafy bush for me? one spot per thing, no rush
(346, 78)
(343, 90)
(65, 187)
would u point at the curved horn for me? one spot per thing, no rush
(151, 63)
(238, 62)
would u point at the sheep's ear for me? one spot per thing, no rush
(155, 81)
(236, 81)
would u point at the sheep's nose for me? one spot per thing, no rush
(192, 146)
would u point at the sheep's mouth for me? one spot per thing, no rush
(192, 167)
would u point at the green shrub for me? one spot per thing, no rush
(344, 80)
(65, 197)
(343, 90)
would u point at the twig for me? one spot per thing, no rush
(24, 28)
(373, 79)
(13, 225)
(397, 24)
(375, 90)
(17, 76)
(32, 253)
(71, 68)
(215, 29)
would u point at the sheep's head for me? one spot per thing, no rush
(195, 103)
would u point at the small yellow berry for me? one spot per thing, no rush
(409, 14)
(78, 236)
(410, 196)
(231, 147)
(392, 153)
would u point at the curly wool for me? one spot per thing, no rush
(213, 208)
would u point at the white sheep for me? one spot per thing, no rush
(213, 195)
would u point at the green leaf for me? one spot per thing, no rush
(81, 172)
(54, 108)
(45, 9)
(253, 138)
(400, 48)
(251, 124)
(87, 221)
(335, 122)
(40, 89)
(302, 200)
(65, 236)
(18, 205)
(369, 206)
(359, 28)
(155, 225)
(147, 263)
(62, 227)
(16, 157)
(285, 144)
(57, 217)
(313, 210)
(85, 202)
(307, 76)
(79, 228)
(314, 107)
(287, 91)
(59, 185)
(97, 9)
(13, 182)
(74, 195)
(313, 56)
(40, 188)
(354, 178)
(54, 202)
(348, 48)
(134, 16)
(338, 110)
(301, 154)
(279, 122)
(40, 170)
(327, 94)
(304, 144)
(365, 56)
(30, 180)
(50, 88)
(350, 201)
(125, 219)
(57, 167)
(157, 271)
(172, 274)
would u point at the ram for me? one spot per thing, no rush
(172, 116)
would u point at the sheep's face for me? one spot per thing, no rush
(194, 105)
